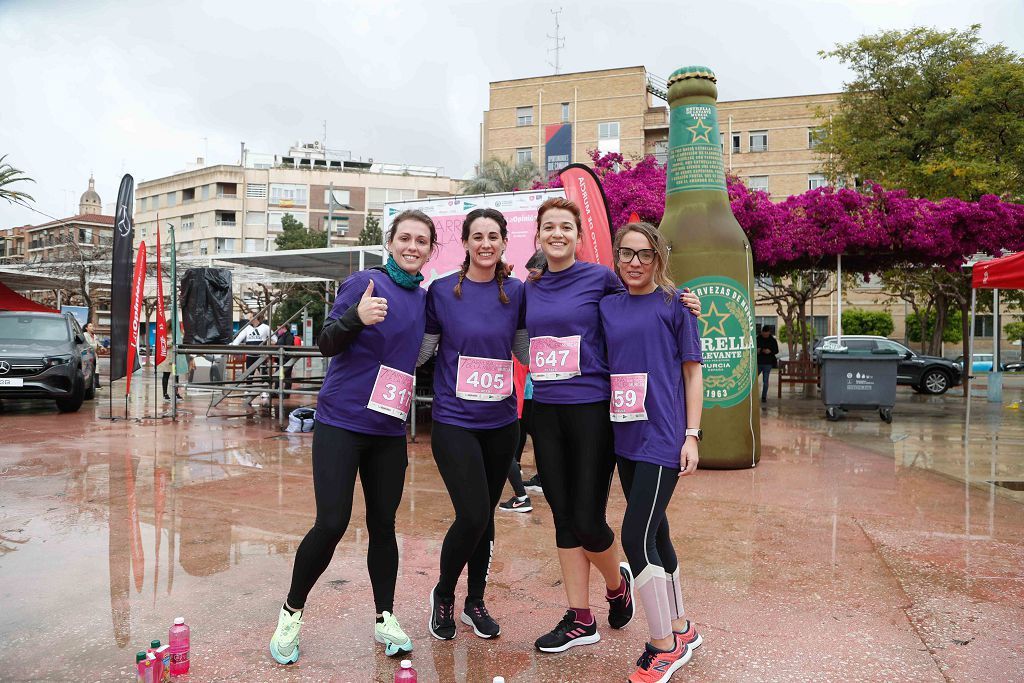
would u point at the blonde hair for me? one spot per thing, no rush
(662, 277)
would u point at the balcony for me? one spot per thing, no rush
(223, 223)
(227, 195)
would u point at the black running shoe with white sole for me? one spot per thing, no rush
(533, 484)
(620, 609)
(516, 504)
(442, 617)
(475, 614)
(568, 633)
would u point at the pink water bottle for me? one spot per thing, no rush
(178, 638)
(405, 673)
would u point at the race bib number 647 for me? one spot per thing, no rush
(553, 358)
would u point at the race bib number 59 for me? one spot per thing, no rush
(483, 379)
(553, 358)
(392, 393)
(629, 397)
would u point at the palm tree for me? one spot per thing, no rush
(498, 175)
(8, 176)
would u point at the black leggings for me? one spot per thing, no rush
(515, 474)
(573, 447)
(338, 454)
(473, 464)
(645, 535)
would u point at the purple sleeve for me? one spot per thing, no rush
(613, 285)
(688, 337)
(433, 324)
(350, 292)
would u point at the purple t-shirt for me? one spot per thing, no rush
(394, 342)
(648, 334)
(476, 325)
(564, 304)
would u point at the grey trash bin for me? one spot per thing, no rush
(859, 381)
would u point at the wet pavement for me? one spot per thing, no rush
(856, 550)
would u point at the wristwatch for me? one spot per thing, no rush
(697, 432)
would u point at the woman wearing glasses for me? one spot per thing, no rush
(656, 398)
(572, 431)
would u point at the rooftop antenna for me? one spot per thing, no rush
(559, 40)
(323, 143)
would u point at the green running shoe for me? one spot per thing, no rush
(284, 646)
(391, 635)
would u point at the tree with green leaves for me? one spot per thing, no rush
(499, 175)
(952, 333)
(859, 321)
(937, 113)
(294, 235)
(8, 176)
(371, 235)
(1015, 331)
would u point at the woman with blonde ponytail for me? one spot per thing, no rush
(474, 319)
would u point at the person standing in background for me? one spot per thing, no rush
(91, 340)
(767, 358)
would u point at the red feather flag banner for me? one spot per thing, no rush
(634, 217)
(583, 188)
(161, 321)
(138, 283)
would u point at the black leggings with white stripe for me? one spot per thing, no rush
(645, 535)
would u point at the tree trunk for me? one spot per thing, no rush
(941, 311)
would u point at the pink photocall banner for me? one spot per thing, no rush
(448, 213)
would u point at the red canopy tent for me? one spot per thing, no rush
(12, 301)
(1000, 273)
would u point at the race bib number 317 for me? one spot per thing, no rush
(392, 393)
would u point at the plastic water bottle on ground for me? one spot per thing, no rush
(178, 638)
(144, 667)
(405, 672)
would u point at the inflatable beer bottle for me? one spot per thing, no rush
(711, 256)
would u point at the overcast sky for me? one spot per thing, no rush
(144, 87)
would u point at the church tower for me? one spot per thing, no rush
(90, 201)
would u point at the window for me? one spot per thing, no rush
(225, 245)
(886, 345)
(758, 182)
(765, 282)
(255, 218)
(862, 345)
(188, 195)
(661, 152)
(288, 195)
(735, 143)
(608, 130)
(142, 204)
(85, 235)
(758, 141)
(172, 199)
(256, 191)
(252, 245)
(721, 141)
(814, 136)
(565, 112)
(204, 247)
(816, 180)
(206, 192)
(187, 223)
(338, 225)
(524, 155)
(524, 116)
(375, 198)
(983, 325)
(771, 321)
(341, 197)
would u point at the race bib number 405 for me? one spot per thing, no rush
(629, 397)
(554, 358)
(483, 379)
(392, 393)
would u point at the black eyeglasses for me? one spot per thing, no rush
(646, 256)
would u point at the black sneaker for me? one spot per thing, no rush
(515, 504)
(533, 484)
(568, 633)
(475, 614)
(620, 609)
(442, 616)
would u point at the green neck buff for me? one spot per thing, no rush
(401, 277)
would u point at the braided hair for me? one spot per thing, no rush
(501, 269)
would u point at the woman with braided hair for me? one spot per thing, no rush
(474, 319)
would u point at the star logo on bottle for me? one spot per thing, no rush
(700, 132)
(719, 318)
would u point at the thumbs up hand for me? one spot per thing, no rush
(372, 309)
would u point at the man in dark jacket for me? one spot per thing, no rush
(767, 358)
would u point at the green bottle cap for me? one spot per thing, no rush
(693, 71)
(139, 656)
(154, 644)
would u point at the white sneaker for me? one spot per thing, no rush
(284, 646)
(391, 635)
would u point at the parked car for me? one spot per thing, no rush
(982, 362)
(925, 374)
(45, 355)
(1014, 366)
